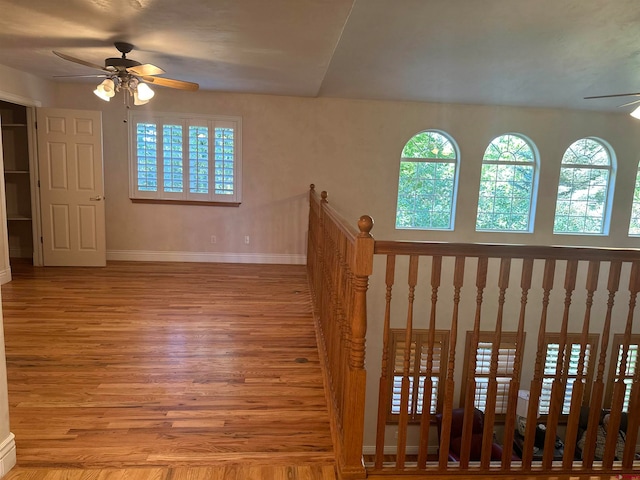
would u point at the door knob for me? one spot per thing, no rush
(97, 198)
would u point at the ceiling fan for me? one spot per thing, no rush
(129, 75)
(635, 113)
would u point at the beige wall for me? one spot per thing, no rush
(350, 148)
(24, 88)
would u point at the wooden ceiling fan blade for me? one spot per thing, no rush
(629, 103)
(615, 95)
(171, 83)
(145, 69)
(79, 61)
(95, 75)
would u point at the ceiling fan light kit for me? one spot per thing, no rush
(130, 76)
(106, 90)
(141, 92)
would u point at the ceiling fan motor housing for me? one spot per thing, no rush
(120, 63)
(123, 62)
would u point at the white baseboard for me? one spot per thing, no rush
(206, 257)
(7, 454)
(5, 275)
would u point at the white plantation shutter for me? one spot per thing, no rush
(504, 372)
(418, 354)
(571, 360)
(630, 370)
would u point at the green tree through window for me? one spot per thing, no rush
(507, 186)
(427, 183)
(583, 188)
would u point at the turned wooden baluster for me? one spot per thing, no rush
(425, 420)
(321, 268)
(559, 383)
(514, 384)
(536, 383)
(588, 452)
(577, 394)
(445, 431)
(492, 387)
(619, 386)
(633, 420)
(387, 366)
(331, 321)
(467, 423)
(406, 370)
(345, 309)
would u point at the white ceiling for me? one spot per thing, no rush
(546, 53)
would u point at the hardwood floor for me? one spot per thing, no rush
(175, 370)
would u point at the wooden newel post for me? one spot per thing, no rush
(351, 465)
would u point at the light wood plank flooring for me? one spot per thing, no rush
(177, 370)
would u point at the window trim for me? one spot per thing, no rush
(616, 345)
(507, 340)
(535, 164)
(454, 193)
(421, 337)
(572, 339)
(611, 182)
(185, 197)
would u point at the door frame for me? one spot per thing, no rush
(34, 175)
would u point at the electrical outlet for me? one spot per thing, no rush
(213, 239)
(246, 239)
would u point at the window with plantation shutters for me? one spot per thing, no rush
(570, 361)
(631, 369)
(185, 158)
(418, 356)
(504, 371)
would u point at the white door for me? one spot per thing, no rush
(71, 187)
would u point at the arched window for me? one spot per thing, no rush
(582, 206)
(507, 186)
(634, 225)
(427, 183)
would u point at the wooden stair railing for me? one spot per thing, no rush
(339, 262)
(426, 280)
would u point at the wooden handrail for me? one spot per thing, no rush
(339, 263)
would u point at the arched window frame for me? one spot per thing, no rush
(609, 168)
(433, 198)
(634, 223)
(533, 189)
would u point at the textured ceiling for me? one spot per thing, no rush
(545, 53)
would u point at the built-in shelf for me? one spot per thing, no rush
(17, 180)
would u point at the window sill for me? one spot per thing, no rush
(185, 202)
